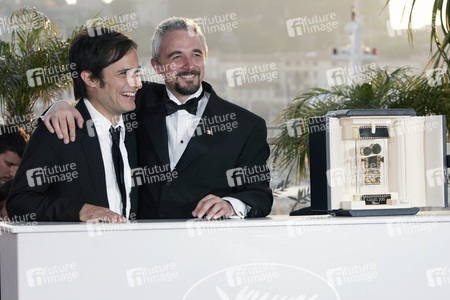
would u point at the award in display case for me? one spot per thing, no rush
(377, 162)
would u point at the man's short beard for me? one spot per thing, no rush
(188, 90)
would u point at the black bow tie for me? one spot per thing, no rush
(190, 106)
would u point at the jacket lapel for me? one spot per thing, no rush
(92, 154)
(155, 129)
(130, 144)
(152, 120)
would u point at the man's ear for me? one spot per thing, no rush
(88, 79)
(156, 66)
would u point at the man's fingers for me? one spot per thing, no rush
(97, 214)
(49, 126)
(68, 126)
(62, 119)
(94, 220)
(108, 218)
(119, 219)
(63, 127)
(215, 212)
(114, 219)
(202, 207)
(211, 207)
(71, 125)
(79, 120)
(223, 210)
(56, 127)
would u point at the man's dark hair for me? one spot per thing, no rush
(93, 51)
(12, 138)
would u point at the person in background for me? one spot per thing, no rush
(13, 140)
(4, 191)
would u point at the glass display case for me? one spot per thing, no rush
(377, 162)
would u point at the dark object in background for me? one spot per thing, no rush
(4, 191)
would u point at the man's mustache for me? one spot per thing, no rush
(185, 73)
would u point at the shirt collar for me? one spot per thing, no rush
(101, 123)
(174, 99)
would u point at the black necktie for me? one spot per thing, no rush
(190, 106)
(118, 166)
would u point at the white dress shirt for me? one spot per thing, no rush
(180, 128)
(102, 126)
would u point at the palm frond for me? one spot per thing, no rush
(439, 39)
(36, 43)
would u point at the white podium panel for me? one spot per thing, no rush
(315, 257)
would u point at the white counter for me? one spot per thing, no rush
(318, 257)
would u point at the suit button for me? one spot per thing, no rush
(161, 215)
(168, 183)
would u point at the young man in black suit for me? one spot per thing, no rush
(199, 155)
(78, 182)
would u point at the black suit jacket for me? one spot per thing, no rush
(208, 162)
(58, 197)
